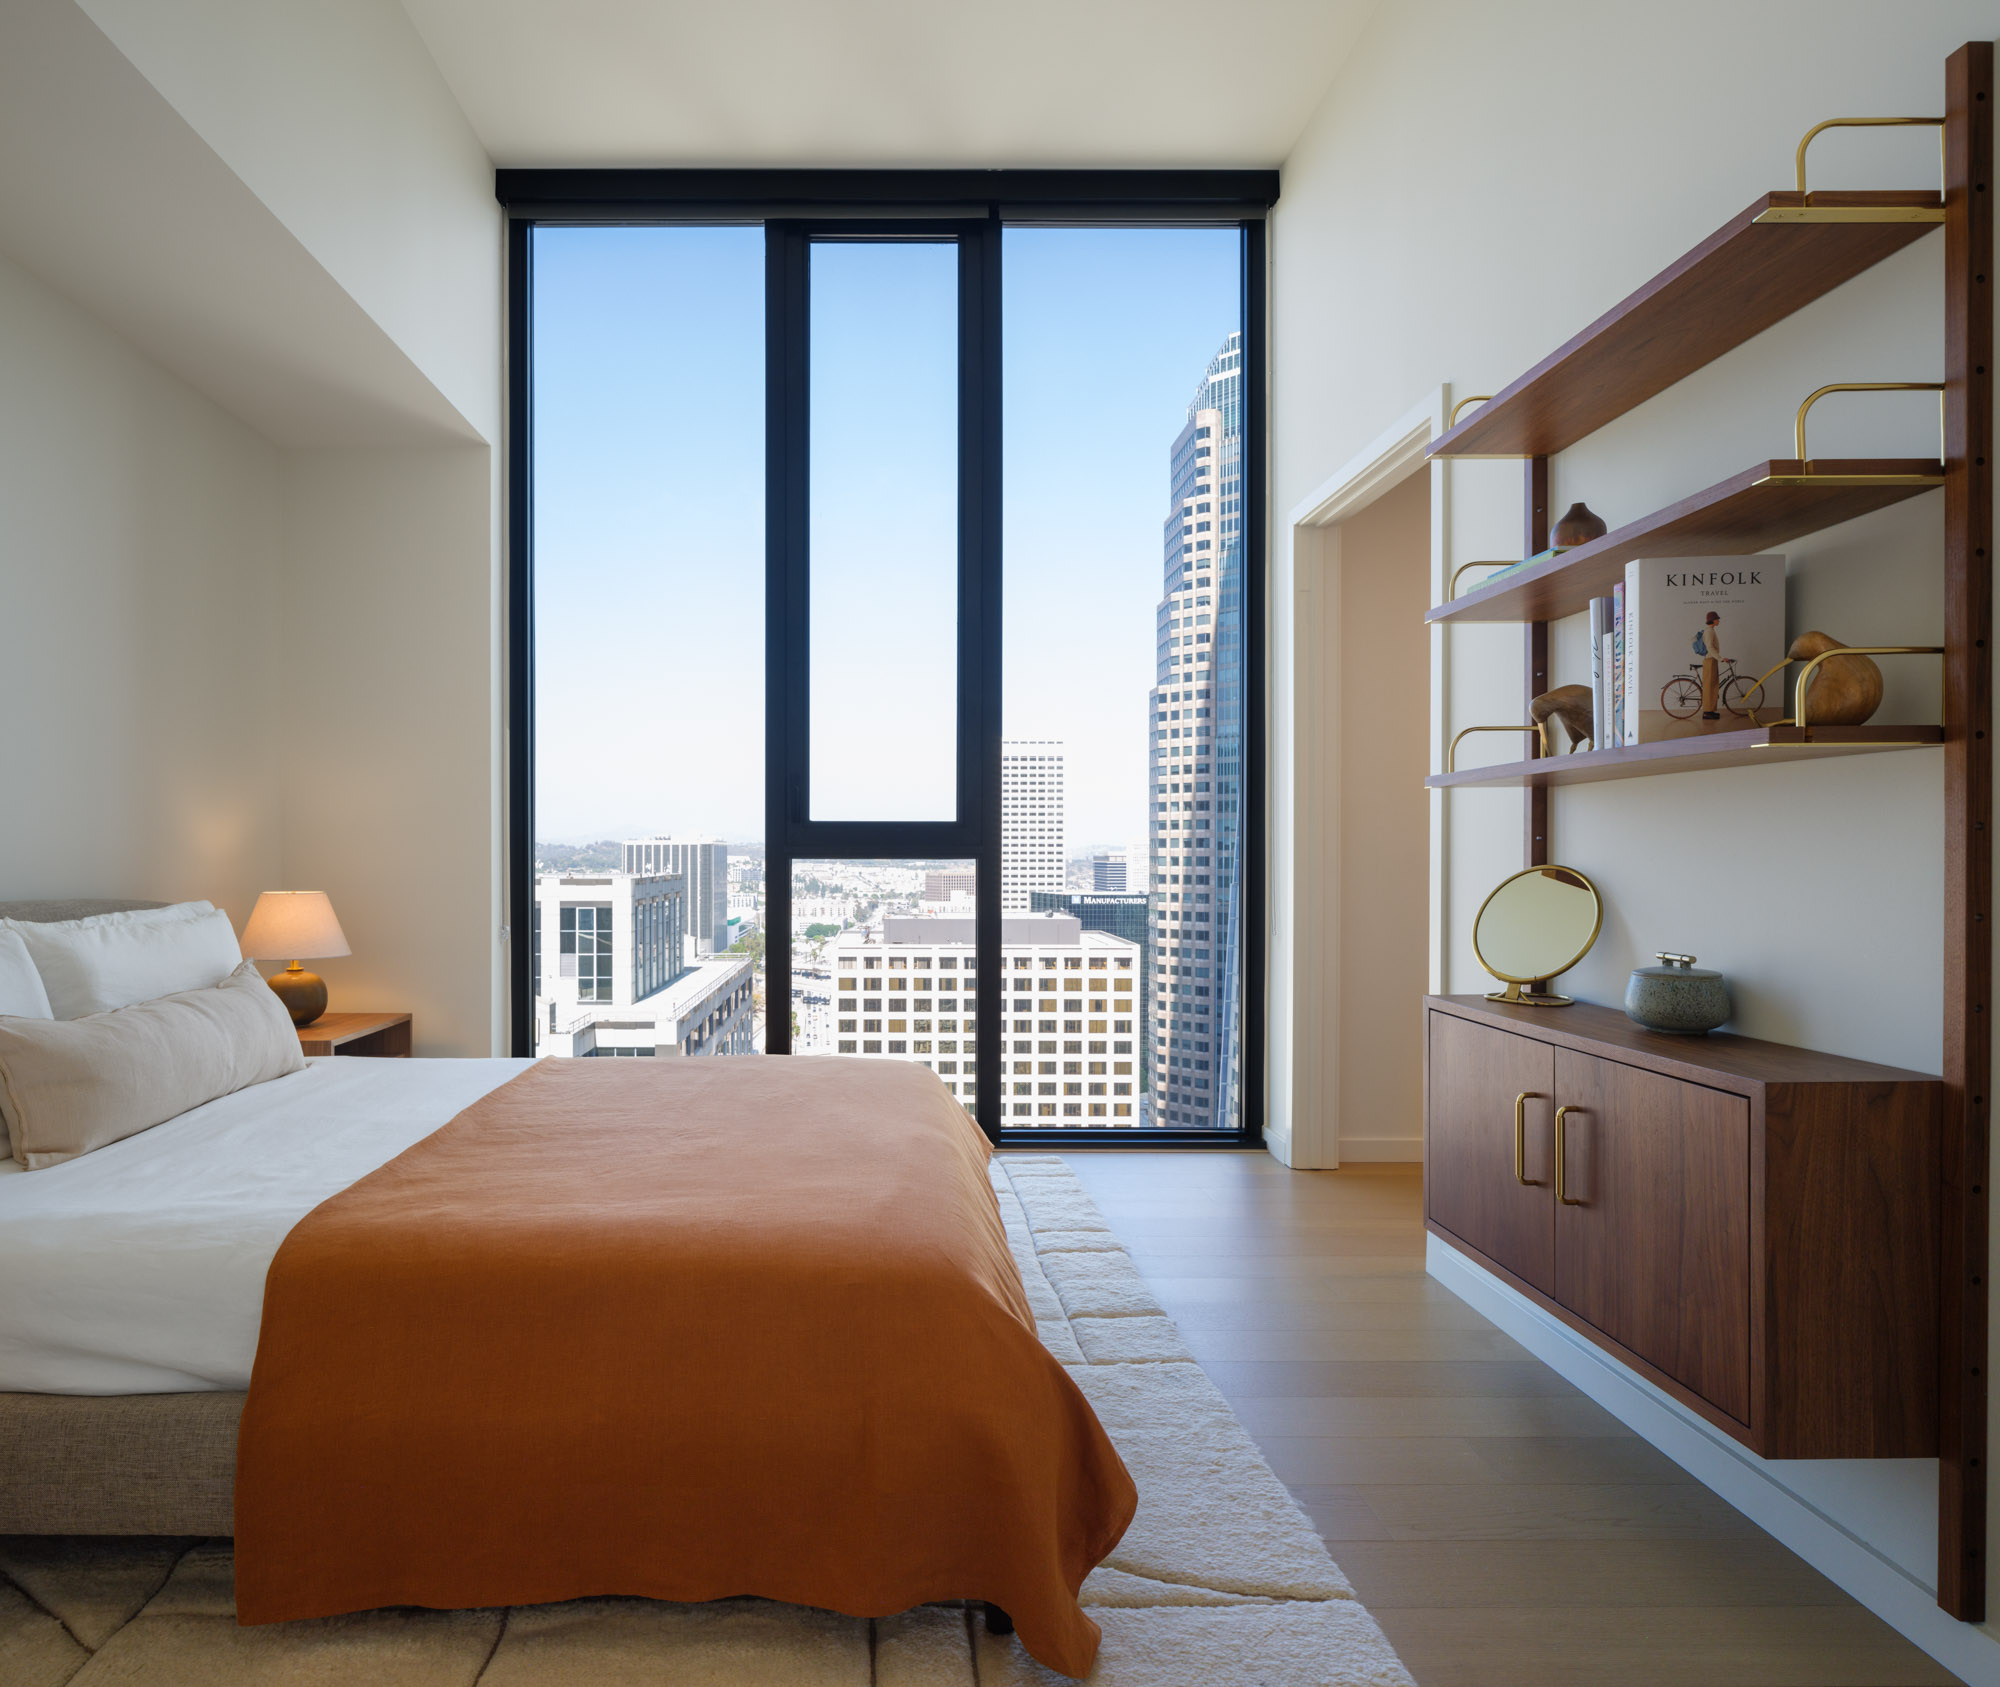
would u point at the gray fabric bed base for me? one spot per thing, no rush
(71, 908)
(118, 1464)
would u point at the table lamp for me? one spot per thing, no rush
(285, 926)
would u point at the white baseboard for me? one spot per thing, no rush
(1406, 1148)
(1718, 1463)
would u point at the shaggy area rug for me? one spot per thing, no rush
(1219, 1581)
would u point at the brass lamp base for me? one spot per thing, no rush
(302, 992)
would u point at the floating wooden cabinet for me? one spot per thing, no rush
(1754, 1228)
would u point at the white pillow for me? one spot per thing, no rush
(21, 989)
(69, 1086)
(110, 961)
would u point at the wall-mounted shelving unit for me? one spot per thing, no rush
(1774, 258)
(1769, 504)
(1777, 256)
(1752, 747)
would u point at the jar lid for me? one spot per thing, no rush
(1675, 966)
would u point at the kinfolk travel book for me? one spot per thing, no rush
(1699, 633)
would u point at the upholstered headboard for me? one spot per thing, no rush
(71, 908)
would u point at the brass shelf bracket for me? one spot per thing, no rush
(1540, 729)
(1817, 129)
(1804, 687)
(1812, 398)
(1451, 421)
(1451, 590)
(1808, 212)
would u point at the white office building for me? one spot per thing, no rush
(1033, 851)
(613, 974)
(702, 861)
(1107, 871)
(906, 989)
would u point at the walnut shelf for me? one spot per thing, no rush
(1770, 503)
(1757, 269)
(1753, 747)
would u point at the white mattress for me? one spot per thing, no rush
(139, 1269)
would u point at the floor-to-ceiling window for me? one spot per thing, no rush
(884, 644)
(648, 657)
(1122, 761)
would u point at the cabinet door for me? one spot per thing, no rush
(1470, 1185)
(1656, 1253)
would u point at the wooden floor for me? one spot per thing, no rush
(1502, 1527)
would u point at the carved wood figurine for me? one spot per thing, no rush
(1846, 690)
(1572, 705)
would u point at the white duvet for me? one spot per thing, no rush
(139, 1269)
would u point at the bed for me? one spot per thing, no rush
(485, 1332)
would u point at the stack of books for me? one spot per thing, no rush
(1677, 649)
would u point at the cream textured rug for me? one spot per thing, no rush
(1220, 1579)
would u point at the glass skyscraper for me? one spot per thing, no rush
(1196, 766)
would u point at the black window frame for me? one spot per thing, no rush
(971, 208)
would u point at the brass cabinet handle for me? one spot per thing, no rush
(1561, 1194)
(1521, 1138)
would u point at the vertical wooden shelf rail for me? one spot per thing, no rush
(1968, 900)
(1535, 537)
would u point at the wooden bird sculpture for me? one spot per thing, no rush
(1846, 690)
(1570, 704)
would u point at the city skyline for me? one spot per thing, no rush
(1105, 690)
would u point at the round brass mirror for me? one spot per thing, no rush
(1535, 925)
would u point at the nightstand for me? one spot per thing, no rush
(378, 1034)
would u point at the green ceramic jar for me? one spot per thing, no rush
(1677, 996)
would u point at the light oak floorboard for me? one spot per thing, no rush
(1308, 1386)
(1703, 1646)
(1446, 1346)
(1456, 1415)
(1507, 1531)
(1397, 1311)
(1564, 1574)
(1533, 1511)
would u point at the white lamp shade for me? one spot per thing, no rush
(293, 925)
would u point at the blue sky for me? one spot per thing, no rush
(649, 414)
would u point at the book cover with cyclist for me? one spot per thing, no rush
(1700, 631)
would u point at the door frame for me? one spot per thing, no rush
(1303, 1117)
(894, 200)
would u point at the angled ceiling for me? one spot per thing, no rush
(110, 198)
(889, 82)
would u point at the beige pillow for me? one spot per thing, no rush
(70, 1085)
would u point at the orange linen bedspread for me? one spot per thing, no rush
(681, 1328)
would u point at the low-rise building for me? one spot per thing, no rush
(613, 974)
(703, 862)
(907, 989)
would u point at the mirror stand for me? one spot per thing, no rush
(1533, 993)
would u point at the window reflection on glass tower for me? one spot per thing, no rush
(1196, 771)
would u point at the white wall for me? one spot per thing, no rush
(389, 796)
(139, 606)
(1481, 182)
(334, 115)
(346, 304)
